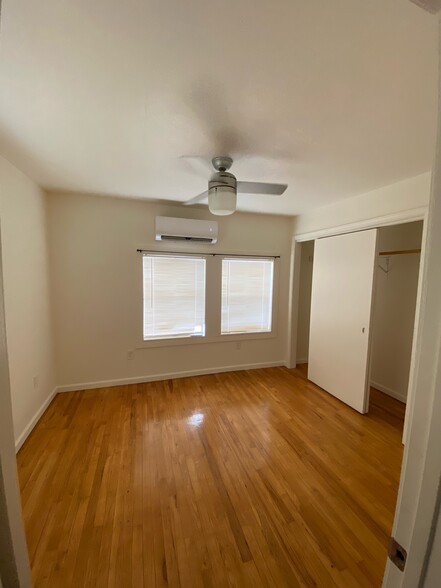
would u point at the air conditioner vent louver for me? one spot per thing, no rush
(183, 229)
(180, 238)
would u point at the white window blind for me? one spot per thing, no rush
(174, 296)
(247, 295)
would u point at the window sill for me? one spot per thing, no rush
(197, 340)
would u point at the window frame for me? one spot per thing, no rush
(169, 336)
(272, 297)
(213, 293)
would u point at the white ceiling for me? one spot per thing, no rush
(333, 97)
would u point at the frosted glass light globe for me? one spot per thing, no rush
(222, 200)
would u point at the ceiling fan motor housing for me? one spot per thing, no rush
(222, 163)
(223, 179)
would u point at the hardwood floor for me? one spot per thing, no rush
(252, 478)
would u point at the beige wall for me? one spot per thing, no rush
(394, 309)
(27, 295)
(97, 289)
(398, 198)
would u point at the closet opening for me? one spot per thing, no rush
(393, 310)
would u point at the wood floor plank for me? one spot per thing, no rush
(254, 478)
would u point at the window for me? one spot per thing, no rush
(247, 294)
(174, 296)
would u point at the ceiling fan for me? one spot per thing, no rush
(223, 188)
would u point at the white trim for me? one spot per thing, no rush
(293, 301)
(389, 392)
(302, 360)
(206, 340)
(397, 218)
(34, 420)
(415, 341)
(14, 561)
(166, 376)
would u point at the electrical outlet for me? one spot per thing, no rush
(131, 354)
(35, 381)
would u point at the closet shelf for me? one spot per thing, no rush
(400, 252)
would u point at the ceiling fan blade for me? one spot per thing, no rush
(197, 198)
(261, 188)
(200, 165)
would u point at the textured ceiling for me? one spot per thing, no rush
(334, 98)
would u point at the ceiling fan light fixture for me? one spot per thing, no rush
(222, 200)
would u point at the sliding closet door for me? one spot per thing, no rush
(342, 291)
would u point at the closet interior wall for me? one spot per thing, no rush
(394, 308)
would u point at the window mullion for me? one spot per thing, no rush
(213, 296)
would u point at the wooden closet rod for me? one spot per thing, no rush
(400, 252)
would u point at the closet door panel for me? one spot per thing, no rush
(341, 308)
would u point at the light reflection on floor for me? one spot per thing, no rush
(196, 419)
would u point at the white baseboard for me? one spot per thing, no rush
(389, 392)
(302, 360)
(138, 380)
(34, 420)
(166, 376)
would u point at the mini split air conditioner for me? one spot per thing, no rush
(185, 229)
